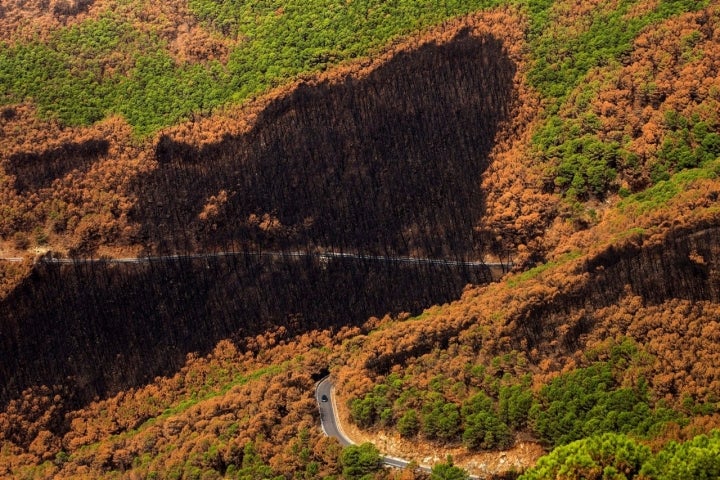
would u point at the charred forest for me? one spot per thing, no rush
(492, 224)
(98, 328)
(388, 164)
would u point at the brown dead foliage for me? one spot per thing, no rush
(649, 275)
(186, 40)
(84, 209)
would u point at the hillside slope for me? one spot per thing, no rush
(581, 142)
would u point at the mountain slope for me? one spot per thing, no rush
(579, 142)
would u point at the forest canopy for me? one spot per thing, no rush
(207, 206)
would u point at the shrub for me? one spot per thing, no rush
(608, 456)
(698, 459)
(588, 402)
(448, 471)
(409, 424)
(360, 460)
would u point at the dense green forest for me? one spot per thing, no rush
(587, 401)
(75, 75)
(617, 456)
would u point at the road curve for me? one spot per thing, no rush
(328, 415)
(331, 426)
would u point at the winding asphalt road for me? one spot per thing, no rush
(328, 417)
(331, 424)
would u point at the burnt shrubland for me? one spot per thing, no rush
(578, 138)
